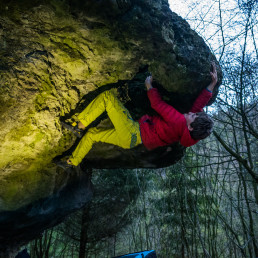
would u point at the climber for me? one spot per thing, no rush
(165, 128)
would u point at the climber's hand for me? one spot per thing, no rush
(148, 82)
(214, 77)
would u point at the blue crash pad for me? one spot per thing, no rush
(144, 254)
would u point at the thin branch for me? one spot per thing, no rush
(238, 157)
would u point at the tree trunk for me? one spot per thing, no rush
(83, 235)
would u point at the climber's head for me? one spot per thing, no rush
(199, 124)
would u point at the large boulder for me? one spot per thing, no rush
(56, 56)
(24, 224)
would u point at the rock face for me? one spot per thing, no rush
(56, 56)
(28, 222)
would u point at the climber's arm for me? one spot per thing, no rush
(206, 94)
(166, 111)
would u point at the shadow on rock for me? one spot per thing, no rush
(27, 223)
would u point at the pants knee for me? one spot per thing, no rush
(92, 134)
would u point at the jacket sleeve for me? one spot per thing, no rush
(166, 111)
(201, 101)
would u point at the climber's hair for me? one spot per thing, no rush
(202, 126)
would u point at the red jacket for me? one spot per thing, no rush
(169, 125)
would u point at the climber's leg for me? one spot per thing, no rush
(126, 133)
(89, 114)
(106, 101)
(93, 110)
(125, 126)
(92, 136)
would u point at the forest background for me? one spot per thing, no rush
(205, 205)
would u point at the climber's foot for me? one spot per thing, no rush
(77, 131)
(64, 164)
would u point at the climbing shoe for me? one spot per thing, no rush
(73, 128)
(63, 164)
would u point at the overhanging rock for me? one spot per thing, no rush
(57, 55)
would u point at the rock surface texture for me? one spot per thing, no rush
(56, 56)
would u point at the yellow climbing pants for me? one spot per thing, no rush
(126, 132)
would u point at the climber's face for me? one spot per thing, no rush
(190, 117)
